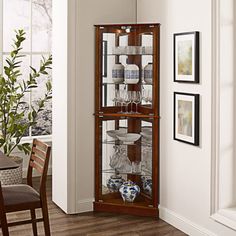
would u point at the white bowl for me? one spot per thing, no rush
(128, 138)
(131, 81)
(148, 80)
(114, 133)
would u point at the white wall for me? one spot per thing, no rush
(73, 98)
(102, 11)
(185, 169)
(60, 104)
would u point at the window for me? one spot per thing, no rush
(34, 16)
(223, 201)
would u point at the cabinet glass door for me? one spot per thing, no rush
(128, 55)
(126, 155)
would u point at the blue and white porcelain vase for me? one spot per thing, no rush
(114, 183)
(131, 74)
(118, 73)
(148, 73)
(129, 191)
(147, 185)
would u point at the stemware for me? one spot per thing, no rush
(150, 97)
(127, 99)
(136, 99)
(120, 99)
(147, 96)
(114, 97)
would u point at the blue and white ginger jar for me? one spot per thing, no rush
(114, 183)
(147, 185)
(129, 191)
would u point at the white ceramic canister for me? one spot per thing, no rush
(131, 74)
(148, 73)
(118, 73)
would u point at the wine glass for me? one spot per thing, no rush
(136, 99)
(132, 101)
(120, 99)
(127, 99)
(145, 95)
(115, 96)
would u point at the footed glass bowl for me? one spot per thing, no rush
(128, 138)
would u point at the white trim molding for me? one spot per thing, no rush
(225, 216)
(183, 224)
(215, 106)
(85, 205)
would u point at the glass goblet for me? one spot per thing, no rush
(137, 99)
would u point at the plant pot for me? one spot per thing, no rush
(12, 176)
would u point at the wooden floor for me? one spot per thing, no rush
(94, 224)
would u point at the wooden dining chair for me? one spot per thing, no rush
(23, 197)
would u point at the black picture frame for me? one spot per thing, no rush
(186, 117)
(186, 57)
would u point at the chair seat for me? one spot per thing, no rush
(21, 195)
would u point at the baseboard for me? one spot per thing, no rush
(183, 224)
(85, 205)
(35, 174)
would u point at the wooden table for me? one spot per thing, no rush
(6, 163)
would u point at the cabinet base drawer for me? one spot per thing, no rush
(128, 208)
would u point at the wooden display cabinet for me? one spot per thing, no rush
(117, 108)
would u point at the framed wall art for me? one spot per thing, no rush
(186, 118)
(186, 57)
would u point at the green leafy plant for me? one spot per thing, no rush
(16, 117)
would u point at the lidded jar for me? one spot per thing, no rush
(118, 73)
(148, 73)
(129, 191)
(131, 74)
(114, 183)
(147, 184)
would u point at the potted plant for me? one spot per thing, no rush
(16, 116)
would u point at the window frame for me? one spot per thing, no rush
(30, 53)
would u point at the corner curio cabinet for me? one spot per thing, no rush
(127, 119)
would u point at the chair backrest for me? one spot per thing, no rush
(39, 160)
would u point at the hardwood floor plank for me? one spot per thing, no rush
(92, 224)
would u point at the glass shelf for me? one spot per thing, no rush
(112, 83)
(128, 54)
(127, 115)
(120, 143)
(112, 171)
